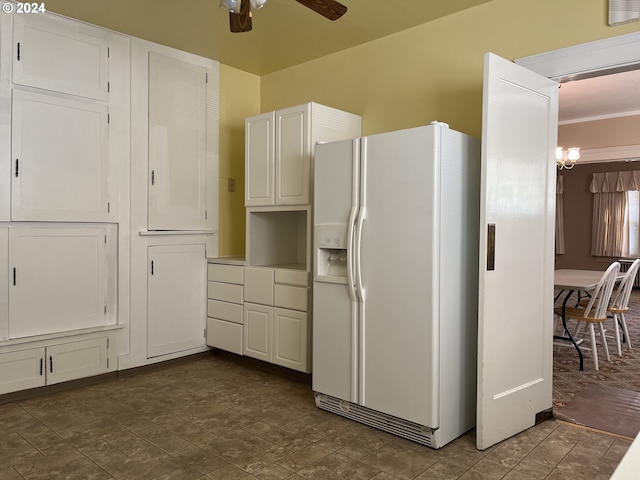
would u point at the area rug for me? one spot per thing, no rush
(612, 410)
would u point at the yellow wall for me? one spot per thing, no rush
(239, 98)
(434, 71)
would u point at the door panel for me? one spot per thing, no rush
(293, 159)
(259, 168)
(398, 330)
(79, 359)
(59, 279)
(520, 114)
(176, 298)
(177, 144)
(258, 329)
(290, 339)
(61, 55)
(57, 174)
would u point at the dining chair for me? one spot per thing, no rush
(595, 310)
(620, 304)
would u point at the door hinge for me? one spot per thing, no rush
(107, 362)
(205, 333)
(205, 215)
(108, 87)
(14, 275)
(17, 166)
(108, 207)
(105, 309)
(108, 345)
(206, 76)
(108, 52)
(153, 177)
(151, 267)
(18, 51)
(108, 118)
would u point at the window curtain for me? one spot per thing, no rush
(610, 211)
(559, 215)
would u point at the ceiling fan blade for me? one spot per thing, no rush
(327, 8)
(241, 22)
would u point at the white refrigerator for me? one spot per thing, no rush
(395, 289)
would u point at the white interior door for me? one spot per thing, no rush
(515, 311)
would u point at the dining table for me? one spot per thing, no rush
(571, 281)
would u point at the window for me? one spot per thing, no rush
(633, 222)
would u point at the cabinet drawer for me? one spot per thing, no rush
(258, 285)
(225, 273)
(231, 312)
(224, 335)
(296, 298)
(226, 292)
(292, 277)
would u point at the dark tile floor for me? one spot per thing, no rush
(216, 418)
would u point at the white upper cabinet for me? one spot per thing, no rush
(59, 158)
(293, 156)
(61, 279)
(259, 171)
(279, 151)
(177, 144)
(61, 55)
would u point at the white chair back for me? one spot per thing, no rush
(599, 301)
(621, 298)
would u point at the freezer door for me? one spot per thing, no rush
(334, 308)
(398, 263)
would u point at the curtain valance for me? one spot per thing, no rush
(609, 182)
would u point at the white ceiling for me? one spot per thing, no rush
(600, 97)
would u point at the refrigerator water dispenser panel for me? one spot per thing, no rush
(331, 256)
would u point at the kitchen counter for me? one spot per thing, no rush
(227, 260)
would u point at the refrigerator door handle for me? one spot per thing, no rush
(350, 254)
(359, 286)
(355, 193)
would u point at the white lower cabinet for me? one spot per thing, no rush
(55, 361)
(290, 338)
(225, 292)
(176, 298)
(276, 326)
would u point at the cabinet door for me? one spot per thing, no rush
(259, 158)
(58, 174)
(258, 323)
(4, 284)
(58, 279)
(290, 339)
(293, 156)
(79, 359)
(176, 298)
(177, 144)
(21, 370)
(61, 55)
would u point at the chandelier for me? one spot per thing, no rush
(567, 158)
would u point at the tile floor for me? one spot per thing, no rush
(216, 418)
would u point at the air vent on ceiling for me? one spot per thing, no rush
(623, 11)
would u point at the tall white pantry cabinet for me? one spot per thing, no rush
(63, 143)
(274, 283)
(82, 217)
